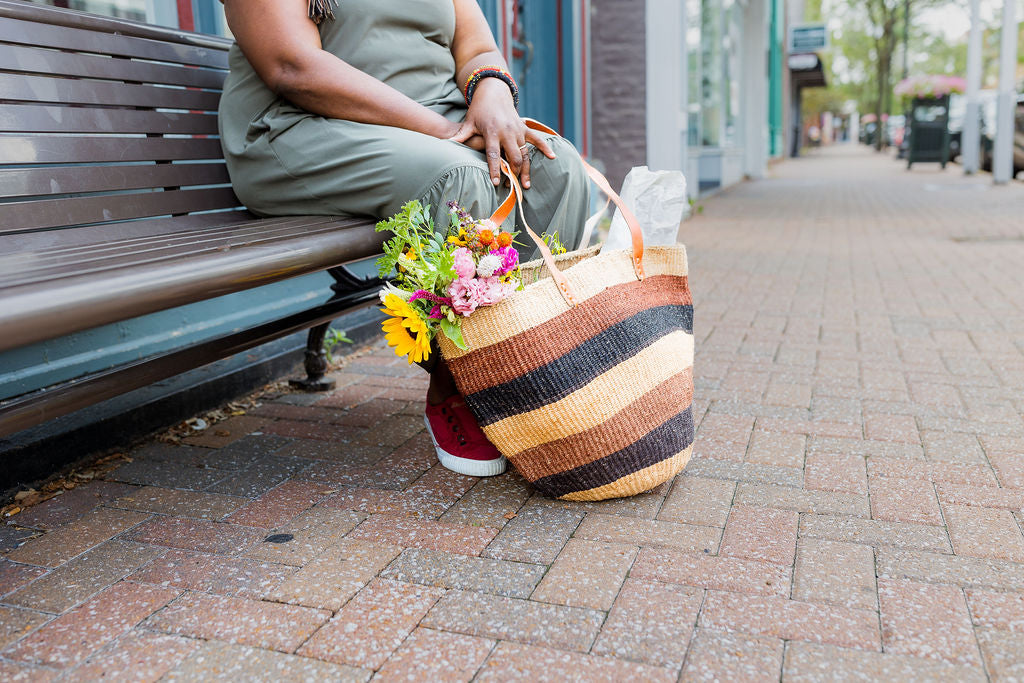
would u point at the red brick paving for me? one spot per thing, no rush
(853, 508)
(367, 630)
(259, 623)
(69, 639)
(194, 534)
(927, 620)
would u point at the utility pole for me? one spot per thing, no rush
(1002, 160)
(970, 137)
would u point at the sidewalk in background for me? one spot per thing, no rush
(853, 507)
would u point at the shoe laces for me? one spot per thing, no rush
(452, 419)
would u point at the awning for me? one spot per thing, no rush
(806, 71)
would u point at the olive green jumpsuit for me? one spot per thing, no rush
(286, 161)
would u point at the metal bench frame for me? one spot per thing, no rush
(115, 202)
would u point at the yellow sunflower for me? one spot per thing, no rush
(405, 330)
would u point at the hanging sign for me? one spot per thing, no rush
(807, 38)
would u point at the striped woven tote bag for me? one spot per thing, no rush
(584, 379)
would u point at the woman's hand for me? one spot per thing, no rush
(493, 125)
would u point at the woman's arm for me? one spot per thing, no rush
(283, 46)
(492, 114)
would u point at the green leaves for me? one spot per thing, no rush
(386, 263)
(411, 227)
(454, 332)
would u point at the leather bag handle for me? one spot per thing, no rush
(515, 197)
(636, 233)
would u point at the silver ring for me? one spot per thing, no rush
(493, 155)
(524, 149)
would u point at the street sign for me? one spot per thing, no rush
(807, 38)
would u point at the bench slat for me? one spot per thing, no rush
(98, 42)
(157, 249)
(53, 241)
(31, 182)
(34, 118)
(31, 313)
(29, 59)
(112, 239)
(83, 149)
(56, 213)
(18, 87)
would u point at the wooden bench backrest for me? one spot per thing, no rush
(103, 120)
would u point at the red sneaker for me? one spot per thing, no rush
(460, 443)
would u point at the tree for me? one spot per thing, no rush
(866, 41)
(884, 15)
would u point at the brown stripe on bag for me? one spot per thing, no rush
(541, 301)
(564, 375)
(653, 408)
(637, 482)
(660, 443)
(518, 355)
(599, 400)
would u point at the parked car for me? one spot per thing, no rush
(957, 111)
(957, 114)
(895, 127)
(988, 132)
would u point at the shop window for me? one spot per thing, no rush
(733, 41)
(204, 16)
(693, 71)
(122, 9)
(712, 57)
(713, 52)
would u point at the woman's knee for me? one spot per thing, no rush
(564, 171)
(469, 184)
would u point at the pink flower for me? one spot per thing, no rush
(465, 293)
(465, 266)
(509, 259)
(430, 296)
(493, 290)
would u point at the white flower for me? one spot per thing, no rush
(487, 265)
(391, 289)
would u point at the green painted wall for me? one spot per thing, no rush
(776, 45)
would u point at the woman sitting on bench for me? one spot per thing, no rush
(355, 107)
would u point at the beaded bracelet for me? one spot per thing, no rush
(491, 72)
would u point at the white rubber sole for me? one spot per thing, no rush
(467, 466)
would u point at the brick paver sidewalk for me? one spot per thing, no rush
(853, 507)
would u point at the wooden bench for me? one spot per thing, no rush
(115, 202)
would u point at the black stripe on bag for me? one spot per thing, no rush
(661, 443)
(592, 358)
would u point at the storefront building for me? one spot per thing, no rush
(712, 100)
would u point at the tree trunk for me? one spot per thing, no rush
(884, 62)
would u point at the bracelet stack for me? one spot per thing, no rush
(491, 72)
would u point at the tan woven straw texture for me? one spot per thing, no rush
(593, 401)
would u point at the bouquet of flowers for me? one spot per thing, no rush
(438, 281)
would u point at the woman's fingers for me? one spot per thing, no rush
(492, 147)
(476, 142)
(524, 170)
(538, 141)
(465, 132)
(513, 143)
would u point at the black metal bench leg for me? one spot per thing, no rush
(315, 362)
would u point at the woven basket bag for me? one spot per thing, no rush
(584, 379)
